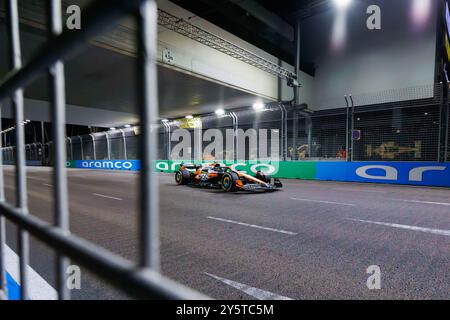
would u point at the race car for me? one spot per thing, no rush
(229, 180)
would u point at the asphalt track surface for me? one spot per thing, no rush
(313, 240)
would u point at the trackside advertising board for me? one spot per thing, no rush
(121, 165)
(295, 170)
(413, 173)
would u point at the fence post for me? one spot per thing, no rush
(3, 287)
(443, 125)
(447, 134)
(125, 154)
(108, 145)
(43, 140)
(93, 146)
(71, 148)
(149, 251)
(81, 147)
(18, 107)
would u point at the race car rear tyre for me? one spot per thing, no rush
(182, 177)
(229, 181)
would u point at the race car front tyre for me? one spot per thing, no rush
(182, 177)
(229, 181)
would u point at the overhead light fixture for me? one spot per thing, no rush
(189, 117)
(127, 126)
(165, 120)
(421, 13)
(342, 4)
(258, 106)
(220, 112)
(112, 128)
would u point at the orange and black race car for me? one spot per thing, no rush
(226, 178)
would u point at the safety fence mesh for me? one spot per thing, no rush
(391, 133)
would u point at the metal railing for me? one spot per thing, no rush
(392, 133)
(144, 279)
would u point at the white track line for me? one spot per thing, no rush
(253, 226)
(251, 291)
(407, 227)
(424, 202)
(39, 289)
(108, 197)
(362, 190)
(327, 202)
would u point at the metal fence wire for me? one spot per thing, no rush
(447, 152)
(144, 279)
(392, 133)
(398, 134)
(387, 133)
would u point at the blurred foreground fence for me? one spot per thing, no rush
(142, 278)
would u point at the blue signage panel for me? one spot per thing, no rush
(128, 165)
(415, 173)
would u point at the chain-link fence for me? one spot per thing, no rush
(398, 134)
(447, 151)
(407, 133)
(387, 133)
(33, 154)
(119, 144)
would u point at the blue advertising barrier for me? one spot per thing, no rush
(414, 173)
(126, 165)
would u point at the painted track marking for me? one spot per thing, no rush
(105, 196)
(251, 291)
(423, 202)
(327, 202)
(253, 226)
(361, 190)
(47, 185)
(440, 232)
(39, 289)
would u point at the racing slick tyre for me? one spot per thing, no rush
(182, 177)
(228, 181)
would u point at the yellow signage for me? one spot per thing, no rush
(193, 123)
(447, 47)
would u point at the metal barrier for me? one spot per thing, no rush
(390, 133)
(143, 280)
(447, 150)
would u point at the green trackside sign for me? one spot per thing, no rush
(70, 164)
(277, 169)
